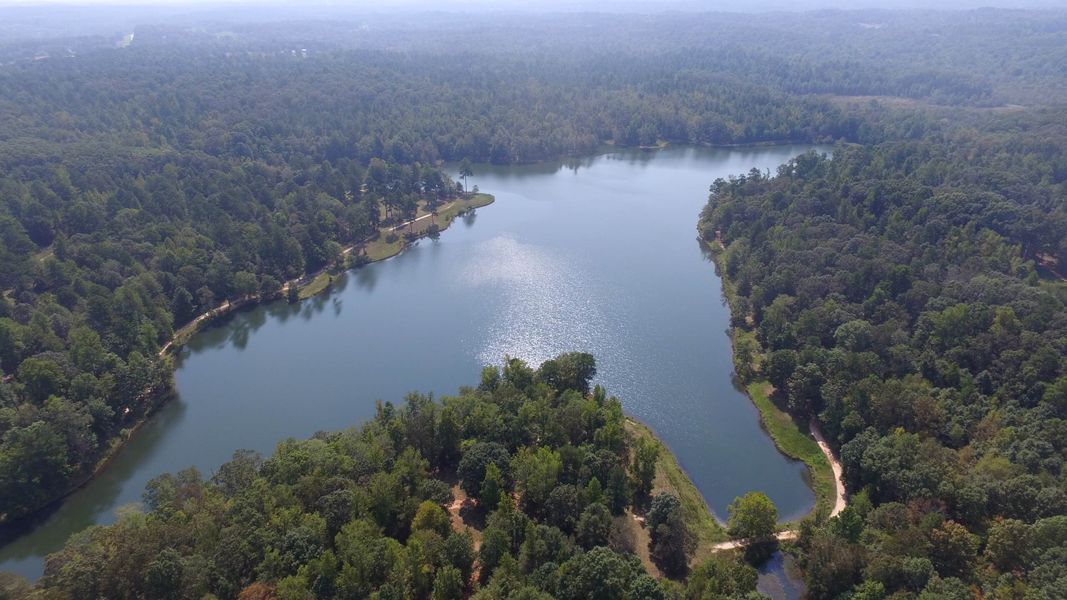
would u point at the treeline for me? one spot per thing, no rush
(173, 94)
(98, 274)
(545, 462)
(896, 296)
(983, 57)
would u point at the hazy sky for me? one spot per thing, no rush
(621, 5)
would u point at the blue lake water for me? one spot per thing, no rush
(598, 255)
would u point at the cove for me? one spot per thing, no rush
(598, 255)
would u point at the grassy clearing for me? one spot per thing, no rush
(182, 335)
(671, 478)
(380, 249)
(317, 285)
(476, 201)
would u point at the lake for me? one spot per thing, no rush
(597, 255)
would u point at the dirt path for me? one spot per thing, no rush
(455, 512)
(734, 544)
(224, 307)
(416, 220)
(840, 495)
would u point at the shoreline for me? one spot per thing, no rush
(308, 281)
(182, 335)
(706, 527)
(789, 438)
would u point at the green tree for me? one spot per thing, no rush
(42, 378)
(672, 544)
(1056, 396)
(663, 505)
(34, 465)
(458, 551)
(644, 587)
(447, 584)
(752, 517)
(564, 507)
(571, 371)
(953, 549)
(832, 566)
(594, 526)
(163, 579)
(1010, 545)
(490, 378)
(599, 574)
(245, 284)
(720, 575)
(466, 169)
(431, 517)
(492, 486)
(536, 473)
(183, 306)
(87, 351)
(779, 367)
(646, 454)
(476, 458)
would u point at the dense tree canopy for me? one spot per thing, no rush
(898, 293)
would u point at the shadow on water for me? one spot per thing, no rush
(98, 502)
(282, 311)
(366, 279)
(778, 578)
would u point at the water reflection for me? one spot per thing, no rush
(778, 578)
(366, 279)
(547, 307)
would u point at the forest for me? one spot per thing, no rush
(897, 295)
(905, 292)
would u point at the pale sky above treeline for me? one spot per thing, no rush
(584, 5)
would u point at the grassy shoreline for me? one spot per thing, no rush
(379, 249)
(670, 477)
(312, 284)
(791, 438)
(792, 441)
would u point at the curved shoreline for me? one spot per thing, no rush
(448, 213)
(778, 424)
